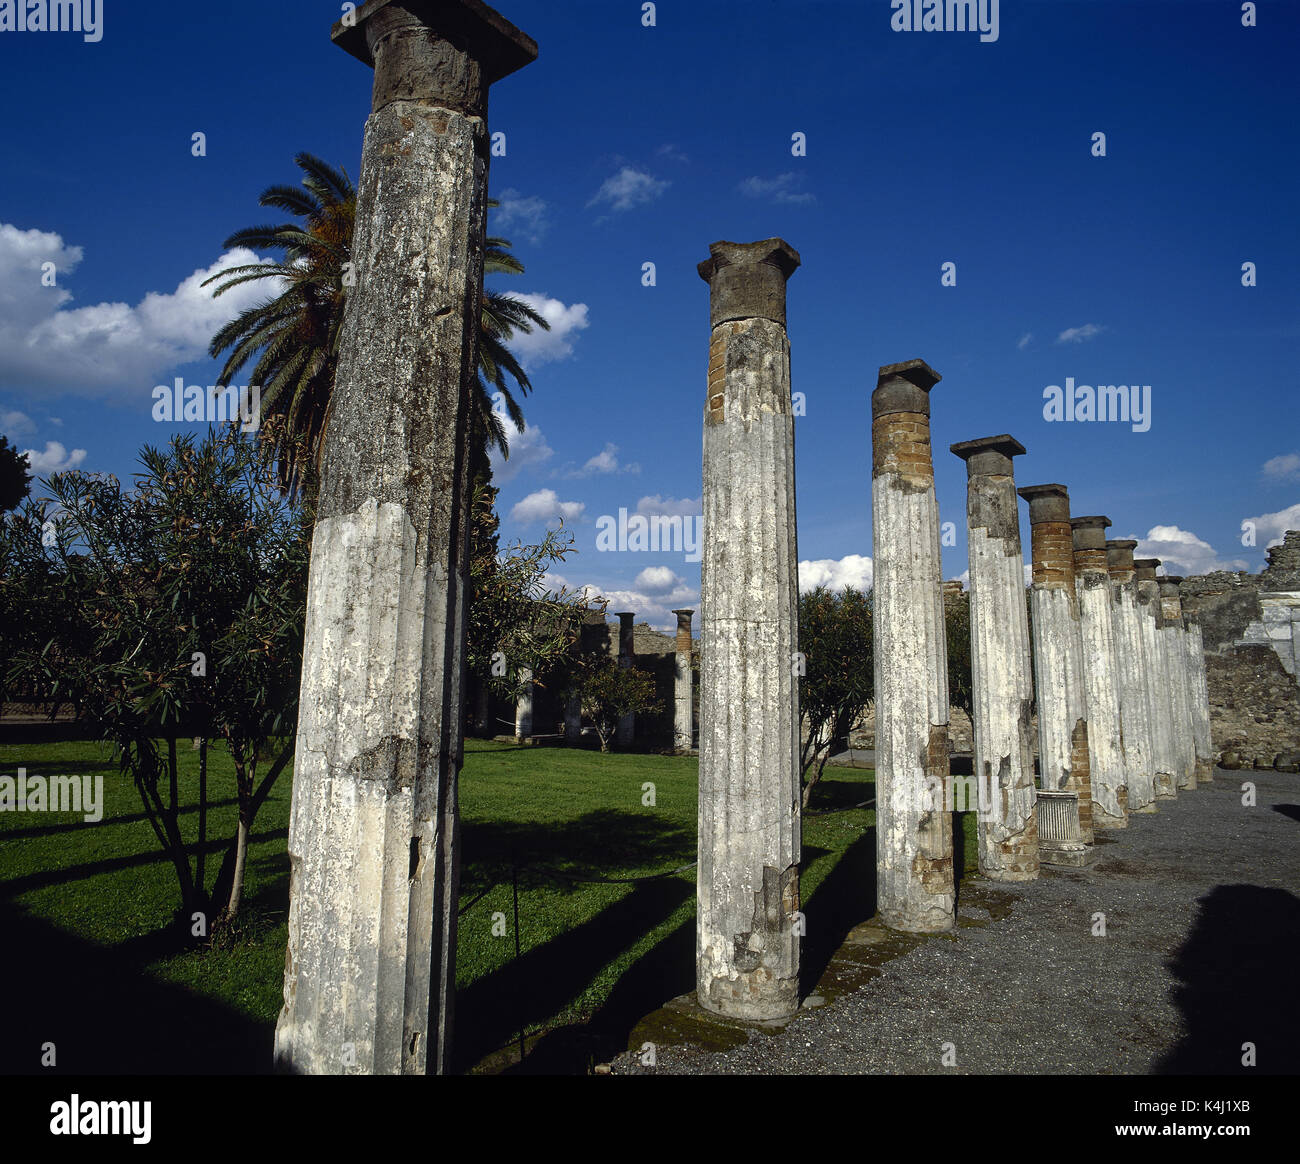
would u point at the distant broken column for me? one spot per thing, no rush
(374, 874)
(1130, 658)
(625, 729)
(1003, 689)
(1159, 689)
(573, 717)
(1199, 689)
(1106, 761)
(914, 845)
(1058, 651)
(524, 705)
(684, 711)
(1179, 681)
(747, 943)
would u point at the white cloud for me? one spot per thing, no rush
(14, 423)
(836, 573)
(784, 188)
(55, 459)
(1182, 551)
(517, 213)
(103, 348)
(1076, 335)
(545, 505)
(1283, 468)
(655, 609)
(672, 153)
(1024, 341)
(527, 449)
(542, 347)
(605, 461)
(1269, 527)
(656, 505)
(629, 188)
(658, 580)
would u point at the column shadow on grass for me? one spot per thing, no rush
(1237, 969)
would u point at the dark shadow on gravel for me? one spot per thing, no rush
(1238, 969)
(1291, 810)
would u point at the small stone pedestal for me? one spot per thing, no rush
(1059, 841)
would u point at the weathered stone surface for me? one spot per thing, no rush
(1003, 689)
(1179, 681)
(625, 729)
(747, 945)
(524, 705)
(369, 969)
(683, 695)
(1159, 688)
(1058, 650)
(1131, 677)
(914, 847)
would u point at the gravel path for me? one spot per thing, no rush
(1201, 954)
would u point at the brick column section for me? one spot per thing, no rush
(1180, 686)
(683, 695)
(1131, 671)
(374, 873)
(1200, 691)
(747, 936)
(1003, 693)
(914, 844)
(1058, 651)
(1158, 683)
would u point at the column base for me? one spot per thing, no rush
(1065, 854)
(752, 997)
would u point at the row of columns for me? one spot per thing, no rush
(373, 837)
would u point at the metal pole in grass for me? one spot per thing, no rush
(514, 883)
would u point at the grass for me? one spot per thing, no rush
(93, 908)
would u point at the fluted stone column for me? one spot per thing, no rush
(1106, 761)
(625, 729)
(914, 845)
(1131, 668)
(1179, 680)
(1003, 692)
(524, 705)
(1200, 689)
(1059, 689)
(683, 696)
(1159, 687)
(747, 945)
(369, 971)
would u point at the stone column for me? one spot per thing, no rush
(1003, 693)
(524, 705)
(914, 846)
(684, 710)
(1131, 670)
(625, 729)
(1200, 691)
(374, 875)
(1158, 683)
(1059, 689)
(1106, 761)
(1179, 686)
(573, 718)
(747, 945)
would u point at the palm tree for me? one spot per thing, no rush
(297, 331)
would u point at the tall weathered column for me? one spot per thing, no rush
(683, 696)
(625, 729)
(747, 947)
(524, 705)
(373, 860)
(1158, 683)
(1058, 651)
(1131, 672)
(1200, 689)
(914, 846)
(1106, 762)
(1000, 671)
(573, 717)
(1179, 680)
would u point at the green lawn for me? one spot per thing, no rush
(114, 981)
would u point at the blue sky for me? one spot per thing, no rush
(629, 144)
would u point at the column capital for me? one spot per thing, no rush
(1146, 568)
(435, 52)
(904, 387)
(1089, 532)
(1046, 502)
(1119, 559)
(989, 456)
(747, 280)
